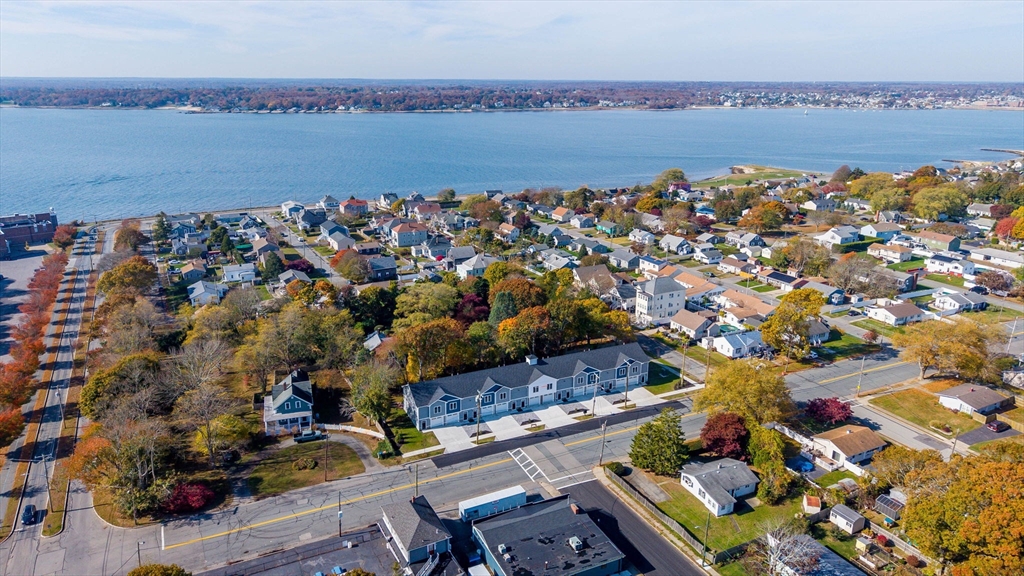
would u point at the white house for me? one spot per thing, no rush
(847, 519)
(508, 233)
(737, 344)
(641, 236)
(651, 265)
(838, 236)
(897, 314)
(202, 293)
(995, 257)
(624, 259)
(969, 398)
(670, 243)
(940, 264)
(731, 265)
(239, 272)
(719, 483)
(658, 300)
(562, 214)
(405, 234)
(582, 221)
(890, 252)
(743, 239)
(707, 255)
(475, 266)
(960, 302)
(328, 203)
(848, 443)
(290, 208)
(289, 406)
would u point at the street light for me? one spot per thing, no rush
(138, 551)
(478, 417)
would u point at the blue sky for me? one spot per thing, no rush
(726, 40)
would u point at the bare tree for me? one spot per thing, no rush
(783, 549)
(817, 218)
(129, 329)
(199, 407)
(244, 303)
(200, 361)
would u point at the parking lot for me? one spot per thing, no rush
(16, 273)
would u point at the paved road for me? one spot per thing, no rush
(651, 554)
(22, 555)
(307, 252)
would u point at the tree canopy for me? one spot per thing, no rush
(659, 445)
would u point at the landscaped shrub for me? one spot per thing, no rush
(882, 540)
(304, 464)
(913, 561)
(188, 497)
(384, 449)
(616, 468)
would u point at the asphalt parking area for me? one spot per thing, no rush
(983, 434)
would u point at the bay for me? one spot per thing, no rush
(99, 164)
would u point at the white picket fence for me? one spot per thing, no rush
(354, 429)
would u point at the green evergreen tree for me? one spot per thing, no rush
(504, 307)
(659, 445)
(272, 266)
(161, 228)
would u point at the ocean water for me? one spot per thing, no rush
(116, 163)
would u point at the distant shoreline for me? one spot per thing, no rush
(198, 110)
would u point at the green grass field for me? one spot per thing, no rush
(764, 288)
(701, 355)
(760, 173)
(844, 346)
(405, 432)
(908, 265)
(924, 409)
(276, 474)
(662, 378)
(833, 477)
(945, 279)
(879, 327)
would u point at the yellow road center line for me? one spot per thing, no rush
(334, 506)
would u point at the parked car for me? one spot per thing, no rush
(28, 515)
(308, 436)
(853, 313)
(979, 290)
(997, 425)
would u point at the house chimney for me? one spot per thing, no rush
(575, 508)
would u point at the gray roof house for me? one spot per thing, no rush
(415, 531)
(848, 519)
(382, 268)
(553, 536)
(970, 398)
(624, 259)
(531, 383)
(202, 293)
(717, 484)
(289, 406)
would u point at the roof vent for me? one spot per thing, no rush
(849, 431)
(502, 548)
(531, 360)
(576, 544)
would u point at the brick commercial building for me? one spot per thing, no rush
(17, 229)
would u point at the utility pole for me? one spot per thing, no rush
(339, 513)
(604, 433)
(416, 476)
(704, 552)
(593, 401)
(326, 455)
(707, 364)
(478, 418)
(955, 438)
(861, 376)
(49, 495)
(1012, 330)
(138, 551)
(682, 367)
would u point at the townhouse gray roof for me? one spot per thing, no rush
(415, 523)
(549, 229)
(290, 275)
(520, 374)
(461, 252)
(976, 397)
(903, 310)
(537, 537)
(382, 263)
(718, 477)
(966, 298)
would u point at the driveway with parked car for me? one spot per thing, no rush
(984, 434)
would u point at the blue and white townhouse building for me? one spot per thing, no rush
(526, 385)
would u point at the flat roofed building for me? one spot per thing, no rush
(553, 536)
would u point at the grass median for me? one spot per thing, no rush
(302, 465)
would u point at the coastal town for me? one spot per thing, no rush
(766, 369)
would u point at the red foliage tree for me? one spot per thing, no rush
(11, 425)
(1005, 227)
(64, 235)
(828, 410)
(1000, 211)
(702, 222)
(188, 498)
(300, 265)
(471, 309)
(725, 434)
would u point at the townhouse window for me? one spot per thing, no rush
(502, 396)
(488, 398)
(621, 372)
(536, 389)
(634, 369)
(593, 378)
(437, 409)
(287, 405)
(549, 386)
(453, 405)
(579, 379)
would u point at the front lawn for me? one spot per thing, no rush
(407, 436)
(844, 346)
(946, 279)
(993, 314)
(764, 288)
(662, 378)
(846, 547)
(924, 409)
(876, 326)
(725, 531)
(908, 265)
(278, 473)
